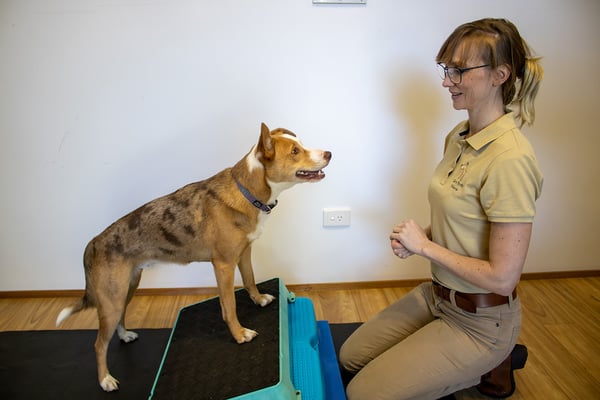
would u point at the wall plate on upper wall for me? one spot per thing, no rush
(339, 1)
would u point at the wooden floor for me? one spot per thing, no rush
(561, 327)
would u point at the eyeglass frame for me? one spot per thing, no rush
(445, 68)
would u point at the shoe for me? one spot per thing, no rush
(519, 356)
(500, 382)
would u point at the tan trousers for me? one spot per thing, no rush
(423, 347)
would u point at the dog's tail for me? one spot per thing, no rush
(86, 301)
(68, 311)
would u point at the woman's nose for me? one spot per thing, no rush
(446, 82)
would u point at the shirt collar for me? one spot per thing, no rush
(493, 131)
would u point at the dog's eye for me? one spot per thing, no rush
(295, 150)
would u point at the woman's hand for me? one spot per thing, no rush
(399, 249)
(408, 238)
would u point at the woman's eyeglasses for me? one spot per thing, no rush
(455, 74)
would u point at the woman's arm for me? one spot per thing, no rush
(509, 243)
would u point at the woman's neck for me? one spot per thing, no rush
(479, 121)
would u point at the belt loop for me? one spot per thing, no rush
(453, 297)
(510, 300)
(438, 297)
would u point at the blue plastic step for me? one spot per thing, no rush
(334, 388)
(304, 348)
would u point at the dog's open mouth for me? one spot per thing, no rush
(310, 175)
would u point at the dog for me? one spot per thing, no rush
(214, 220)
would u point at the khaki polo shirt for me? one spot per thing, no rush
(493, 176)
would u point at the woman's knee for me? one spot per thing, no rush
(348, 358)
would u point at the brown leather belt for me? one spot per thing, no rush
(470, 302)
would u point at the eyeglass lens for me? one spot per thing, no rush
(453, 73)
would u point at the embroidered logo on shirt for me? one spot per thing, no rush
(457, 182)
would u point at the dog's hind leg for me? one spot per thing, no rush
(245, 266)
(224, 273)
(108, 320)
(125, 335)
(110, 301)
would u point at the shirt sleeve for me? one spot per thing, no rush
(513, 184)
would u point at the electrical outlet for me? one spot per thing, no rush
(336, 216)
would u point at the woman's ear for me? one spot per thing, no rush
(501, 75)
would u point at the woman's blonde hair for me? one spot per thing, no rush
(498, 42)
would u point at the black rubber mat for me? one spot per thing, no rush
(203, 360)
(62, 364)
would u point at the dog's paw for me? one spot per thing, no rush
(125, 335)
(246, 335)
(109, 383)
(264, 299)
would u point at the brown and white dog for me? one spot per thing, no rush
(215, 220)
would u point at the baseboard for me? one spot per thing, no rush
(561, 274)
(297, 288)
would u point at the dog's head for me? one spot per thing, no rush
(286, 160)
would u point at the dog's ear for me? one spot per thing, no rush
(265, 143)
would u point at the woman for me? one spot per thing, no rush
(445, 334)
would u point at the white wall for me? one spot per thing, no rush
(105, 105)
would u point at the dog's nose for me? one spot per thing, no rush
(327, 155)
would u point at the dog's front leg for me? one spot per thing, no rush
(247, 272)
(224, 273)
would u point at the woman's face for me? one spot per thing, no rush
(476, 88)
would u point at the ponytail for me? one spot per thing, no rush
(533, 74)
